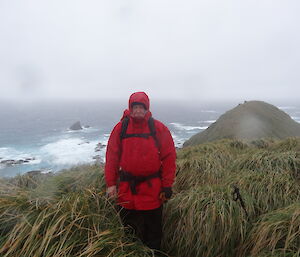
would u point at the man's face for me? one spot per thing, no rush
(138, 111)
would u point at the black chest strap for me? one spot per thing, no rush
(151, 126)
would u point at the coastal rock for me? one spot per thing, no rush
(30, 159)
(43, 172)
(99, 146)
(34, 172)
(12, 162)
(8, 162)
(87, 142)
(98, 159)
(76, 126)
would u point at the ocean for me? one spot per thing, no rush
(40, 134)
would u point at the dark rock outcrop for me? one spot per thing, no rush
(98, 159)
(34, 172)
(12, 162)
(76, 126)
(98, 147)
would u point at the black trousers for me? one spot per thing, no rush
(146, 225)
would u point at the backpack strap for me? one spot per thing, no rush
(124, 127)
(151, 126)
(125, 122)
(153, 131)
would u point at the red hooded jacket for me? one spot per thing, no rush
(140, 157)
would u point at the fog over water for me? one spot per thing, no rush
(70, 60)
(177, 50)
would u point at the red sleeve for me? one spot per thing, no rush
(168, 156)
(113, 153)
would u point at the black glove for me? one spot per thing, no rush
(165, 194)
(168, 192)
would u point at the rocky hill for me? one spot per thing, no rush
(249, 121)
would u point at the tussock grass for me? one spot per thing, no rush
(202, 164)
(198, 171)
(264, 192)
(267, 174)
(238, 144)
(77, 221)
(204, 222)
(27, 181)
(67, 214)
(72, 180)
(270, 161)
(277, 232)
(289, 144)
(261, 143)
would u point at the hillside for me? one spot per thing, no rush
(67, 214)
(251, 120)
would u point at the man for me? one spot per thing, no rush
(140, 169)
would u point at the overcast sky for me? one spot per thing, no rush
(172, 49)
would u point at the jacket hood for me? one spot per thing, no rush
(126, 113)
(139, 97)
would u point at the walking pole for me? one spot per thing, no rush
(237, 196)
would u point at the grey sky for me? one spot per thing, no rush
(192, 49)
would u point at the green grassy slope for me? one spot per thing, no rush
(68, 214)
(251, 120)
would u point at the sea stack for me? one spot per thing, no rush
(249, 121)
(76, 126)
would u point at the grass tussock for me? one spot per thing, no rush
(202, 164)
(277, 232)
(67, 214)
(76, 221)
(204, 222)
(270, 161)
(265, 192)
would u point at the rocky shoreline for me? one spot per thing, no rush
(11, 162)
(97, 157)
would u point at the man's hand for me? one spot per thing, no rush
(165, 194)
(111, 192)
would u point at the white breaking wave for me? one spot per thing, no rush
(210, 111)
(207, 121)
(71, 151)
(45, 171)
(9, 153)
(184, 127)
(286, 107)
(295, 118)
(178, 141)
(105, 139)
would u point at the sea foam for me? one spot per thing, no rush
(10, 153)
(70, 151)
(185, 127)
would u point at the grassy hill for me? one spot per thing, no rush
(68, 214)
(251, 120)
